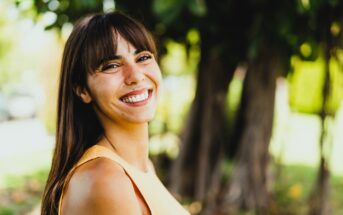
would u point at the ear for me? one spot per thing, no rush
(83, 94)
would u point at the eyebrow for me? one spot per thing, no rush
(117, 57)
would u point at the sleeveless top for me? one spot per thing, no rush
(157, 197)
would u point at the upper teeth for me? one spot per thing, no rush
(136, 98)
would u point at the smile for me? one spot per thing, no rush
(136, 97)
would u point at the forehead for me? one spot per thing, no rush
(123, 46)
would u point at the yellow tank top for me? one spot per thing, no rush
(157, 197)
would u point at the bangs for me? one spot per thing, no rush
(100, 45)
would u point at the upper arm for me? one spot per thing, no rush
(102, 188)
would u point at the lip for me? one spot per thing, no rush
(137, 92)
(134, 92)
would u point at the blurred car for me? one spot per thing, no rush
(21, 106)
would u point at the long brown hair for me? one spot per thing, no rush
(92, 41)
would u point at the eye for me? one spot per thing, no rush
(109, 67)
(144, 57)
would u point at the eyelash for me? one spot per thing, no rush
(144, 58)
(110, 66)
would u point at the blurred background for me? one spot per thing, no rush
(251, 116)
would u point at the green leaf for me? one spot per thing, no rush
(197, 7)
(168, 10)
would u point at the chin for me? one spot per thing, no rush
(142, 119)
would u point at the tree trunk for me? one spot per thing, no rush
(196, 172)
(250, 180)
(319, 199)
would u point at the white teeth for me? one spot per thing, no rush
(136, 98)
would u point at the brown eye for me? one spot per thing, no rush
(144, 58)
(109, 67)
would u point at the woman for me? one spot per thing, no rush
(108, 91)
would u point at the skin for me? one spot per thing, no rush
(101, 186)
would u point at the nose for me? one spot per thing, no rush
(133, 74)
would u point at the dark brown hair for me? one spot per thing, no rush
(92, 41)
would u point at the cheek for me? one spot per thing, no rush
(102, 88)
(155, 75)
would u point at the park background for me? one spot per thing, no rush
(251, 116)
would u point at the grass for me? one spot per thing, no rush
(294, 184)
(22, 193)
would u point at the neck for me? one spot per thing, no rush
(130, 142)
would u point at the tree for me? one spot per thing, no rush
(328, 14)
(197, 173)
(284, 28)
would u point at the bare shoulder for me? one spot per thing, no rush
(100, 186)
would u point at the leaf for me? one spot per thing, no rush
(197, 7)
(168, 10)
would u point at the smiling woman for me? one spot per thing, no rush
(108, 93)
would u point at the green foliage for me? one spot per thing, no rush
(6, 211)
(336, 88)
(168, 10)
(234, 97)
(6, 43)
(197, 7)
(174, 63)
(66, 11)
(306, 84)
(179, 60)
